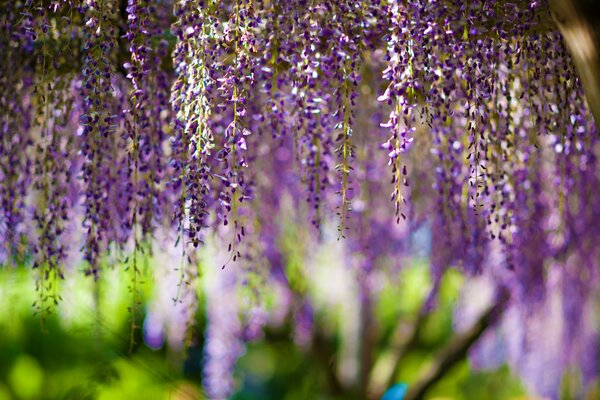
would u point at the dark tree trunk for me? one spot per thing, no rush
(579, 23)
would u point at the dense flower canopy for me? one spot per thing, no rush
(124, 121)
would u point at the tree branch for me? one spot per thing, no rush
(409, 344)
(579, 24)
(404, 339)
(457, 349)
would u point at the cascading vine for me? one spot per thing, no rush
(124, 122)
(192, 99)
(98, 125)
(17, 29)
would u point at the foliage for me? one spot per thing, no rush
(78, 357)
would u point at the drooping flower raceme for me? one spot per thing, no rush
(197, 115)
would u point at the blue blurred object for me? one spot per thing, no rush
(396, 392)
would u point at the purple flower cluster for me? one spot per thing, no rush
(98, 123)
(15, 123)
(148, 111)
(222, 115)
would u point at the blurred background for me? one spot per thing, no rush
(83, 350)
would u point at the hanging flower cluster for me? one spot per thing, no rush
(98, 124)
(120, 123)
(15, 167)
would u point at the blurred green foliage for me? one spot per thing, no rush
(83, 352)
